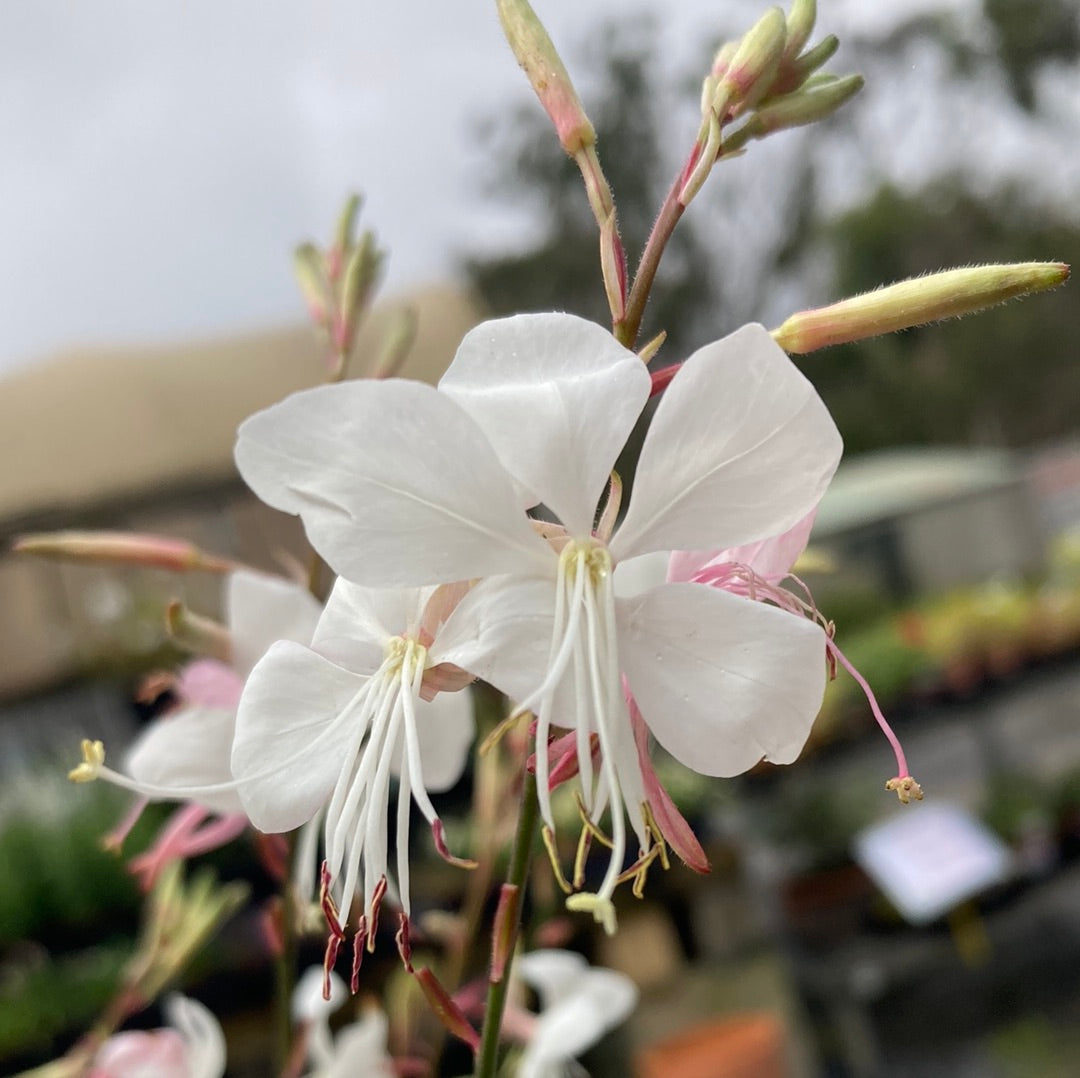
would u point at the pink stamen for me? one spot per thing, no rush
(886, 729)
(114, 840)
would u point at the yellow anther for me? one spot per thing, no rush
(906, 788)
(553, 856)
(93, 757)
(602, 909)
(501, 731)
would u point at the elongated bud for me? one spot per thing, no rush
(800, 25)
(751, 70)
(361, 273)
(395, 344)
(308, 271)
(343, 234)
(803, 107)
(540, 61)
(122, 548)
(804, 66)
(915, 302)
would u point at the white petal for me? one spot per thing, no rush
(557, 396)
(741, 447)
(262, 609)
(396, 485)
(358, 622)
(722, 681)
(289, 742)
(445, 728)
(552, 972)
(600, 1000)
(771, 559)
(360, 1049)
(201, 1033)
(636, 575)
(188, 748)
(501, 632)
(308, 1004)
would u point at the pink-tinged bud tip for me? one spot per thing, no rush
(540, 61)
(122, 548)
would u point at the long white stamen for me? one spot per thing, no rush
(342, 813)
(564, 650)
(411, 680)
(404, 809)
(601, 694)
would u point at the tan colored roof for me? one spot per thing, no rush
(96, 426)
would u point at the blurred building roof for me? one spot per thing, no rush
(141, 439)
(99, 426)
(880, 486)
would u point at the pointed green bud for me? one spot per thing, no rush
(308, 270)
(950, 294)
(804, 66)
(361, 273)
(806, 106)
(346, 224)
(540, 61)
(396, 342)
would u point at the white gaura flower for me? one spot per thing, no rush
(358, 1048)
(191, 1046)
(399, 484)
(326, 728)
(578, 1005)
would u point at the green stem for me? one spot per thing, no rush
(626, 331)
(487, 1057)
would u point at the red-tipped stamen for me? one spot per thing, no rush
(404, 942)
(444, 852)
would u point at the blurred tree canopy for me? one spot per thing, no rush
(1006, 377)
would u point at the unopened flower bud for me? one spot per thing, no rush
(361, 272)
(540, 61)
(800, 25)
(797, 109)
(343, 236)
(308, 271)
(395, 344)
(915, 302)
(122, 548)
(802, 67)
(749, 75)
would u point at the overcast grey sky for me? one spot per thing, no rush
(160, 158)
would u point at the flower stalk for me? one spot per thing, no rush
(520, 859)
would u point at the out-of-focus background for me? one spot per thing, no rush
(160, 163)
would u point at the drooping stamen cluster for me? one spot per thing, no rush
(583, 677)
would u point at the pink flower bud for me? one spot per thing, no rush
(541, 63)
(122, 548)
